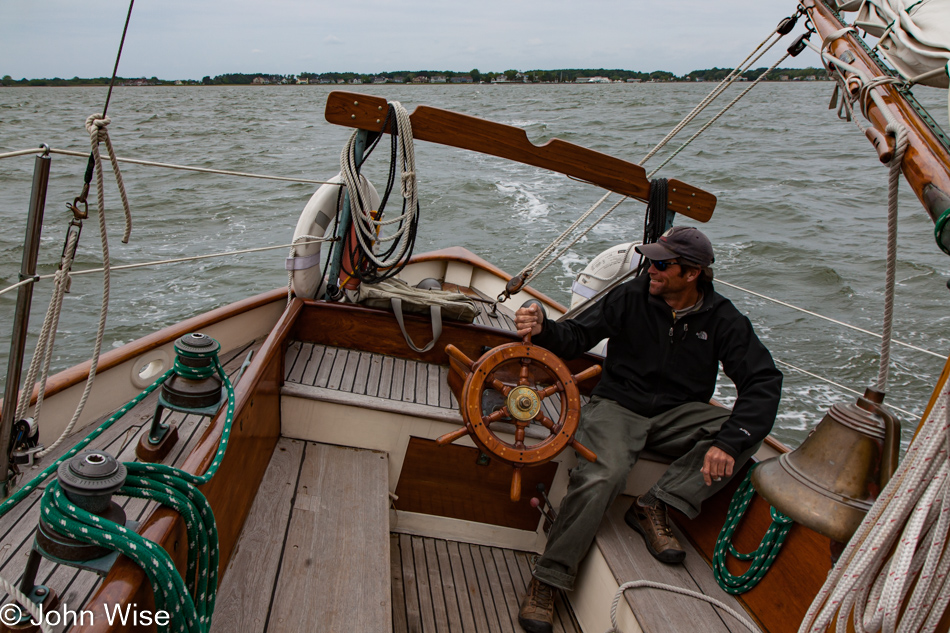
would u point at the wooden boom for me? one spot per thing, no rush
(926, 164)
(368, 112)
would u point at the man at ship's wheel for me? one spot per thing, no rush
(669, 330)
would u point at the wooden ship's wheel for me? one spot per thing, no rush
(508, 384)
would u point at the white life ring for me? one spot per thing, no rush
(611, 263)
(315, 220)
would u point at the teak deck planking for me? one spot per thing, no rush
(447, 586)
(661, 611)
(286, 570)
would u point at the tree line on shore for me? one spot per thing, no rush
(569, 75)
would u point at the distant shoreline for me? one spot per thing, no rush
(572, 76)
(348, 86)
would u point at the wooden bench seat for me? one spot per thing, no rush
(314, 553)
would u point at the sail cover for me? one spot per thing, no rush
(914, 35)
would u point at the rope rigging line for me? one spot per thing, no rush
(150, 163)
(370, 263)
(531, 270)
(649, 584)
(96, 126)
(909, 414)
(829, 319)
(176, 260)
(894, 174)
(719, 114)
(39, 364)
(866, 93)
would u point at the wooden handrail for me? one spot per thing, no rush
(368, 112)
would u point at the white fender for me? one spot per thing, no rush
(316, 219)
(614, 261)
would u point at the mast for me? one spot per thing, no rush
(926, 164)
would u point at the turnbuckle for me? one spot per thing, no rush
(75, 226)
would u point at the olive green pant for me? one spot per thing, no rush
(617, 435)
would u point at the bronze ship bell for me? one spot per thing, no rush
(830, 482)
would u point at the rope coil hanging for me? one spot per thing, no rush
(371, 262)
(762, 558)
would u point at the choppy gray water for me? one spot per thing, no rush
(801, 213)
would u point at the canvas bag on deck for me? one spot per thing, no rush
(400, 297)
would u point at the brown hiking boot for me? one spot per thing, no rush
(654, 524)
(537, 608)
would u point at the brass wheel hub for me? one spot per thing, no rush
(523, 403)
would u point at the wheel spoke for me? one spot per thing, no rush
(500, 387)
(525, 367)
(497, 415)
(545, 420)
(550, 391)
(590, 372)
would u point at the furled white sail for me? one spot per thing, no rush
(914, 35)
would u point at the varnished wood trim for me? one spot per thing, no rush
(79, 373)
(368, 112)
(465, 256)
(448, 481)
(780, 447)
(231, 493)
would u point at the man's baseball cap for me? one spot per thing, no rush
(683, 242)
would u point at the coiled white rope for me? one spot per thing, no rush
(897, 556)
(367, 226)
(637, 584)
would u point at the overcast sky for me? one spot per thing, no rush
(187, 39)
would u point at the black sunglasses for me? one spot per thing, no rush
(663, 264)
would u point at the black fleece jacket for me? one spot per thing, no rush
(654, 364)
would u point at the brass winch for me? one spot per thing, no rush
(830, 482)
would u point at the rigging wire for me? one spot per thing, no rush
(149, 163)
(784, 27)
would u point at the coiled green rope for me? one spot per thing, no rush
(190, 607)
(762, 558)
